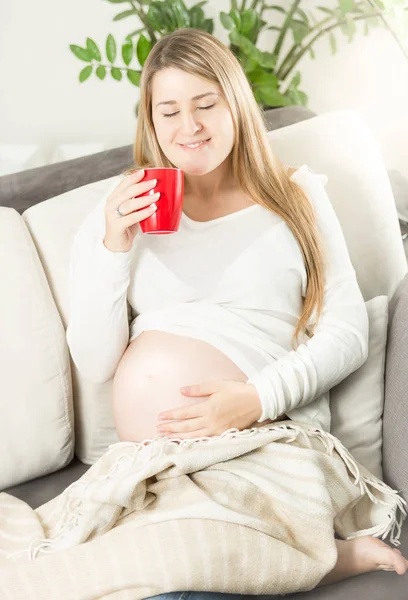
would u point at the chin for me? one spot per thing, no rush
(190, 170)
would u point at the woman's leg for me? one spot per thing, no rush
(363, 555)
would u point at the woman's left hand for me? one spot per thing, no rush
(229, 404)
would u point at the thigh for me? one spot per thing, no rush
(195, 596)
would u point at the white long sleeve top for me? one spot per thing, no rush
(236, 282)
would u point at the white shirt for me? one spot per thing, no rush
(236, 282)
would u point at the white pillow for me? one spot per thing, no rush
(357, 402)
(36, 405)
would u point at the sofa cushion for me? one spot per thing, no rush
(94, 425)
(395, 418)
(36, 408)
(357, 402)
(358, 188)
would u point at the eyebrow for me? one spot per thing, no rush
(195, 98)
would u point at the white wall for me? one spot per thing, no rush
(42, 101)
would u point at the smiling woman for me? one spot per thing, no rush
(254, 299)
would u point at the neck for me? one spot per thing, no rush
(208, 188)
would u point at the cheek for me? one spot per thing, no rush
(224, 128)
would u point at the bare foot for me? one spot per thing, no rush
(363, 555)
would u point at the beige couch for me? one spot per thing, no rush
(49, 412)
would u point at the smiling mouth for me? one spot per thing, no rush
(195, 145)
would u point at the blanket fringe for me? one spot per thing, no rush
(70, 508)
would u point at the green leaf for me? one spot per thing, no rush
(296, 79)
(117, 1)
(312, 54)
(101, 72)
(248, 64)
(303, 15)
(116, 73)
(346, 6)
(142, 49)
(197, 17)
(264, 79)
(136, 32)
(325, 10)
(93, 49)
(127, 51)
(134, 76)
(267, 60)
(275, 7)
(85, 73)
(111, 48)
(81, 53)
(167, 16)
(208, 25)
(242, 42)
(351, 28)
(299, 30)
(181, 13)
(272, 97)
(302, 97)
(332, 40)
(155, 18)
(236, 17)
(125, 14)
(227, 21)
(248, 20)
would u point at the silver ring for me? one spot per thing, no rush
(118, 213)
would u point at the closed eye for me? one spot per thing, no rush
(199, 107)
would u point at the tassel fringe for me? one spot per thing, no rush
(70, 508)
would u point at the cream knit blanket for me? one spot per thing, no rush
(248, 512)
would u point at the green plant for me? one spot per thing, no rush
(273, 75)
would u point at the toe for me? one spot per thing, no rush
(399, 562)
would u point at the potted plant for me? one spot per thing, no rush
(274, 75)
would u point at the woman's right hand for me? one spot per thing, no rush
(120, 231)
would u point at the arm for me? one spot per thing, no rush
(98, 329)
(340, 342)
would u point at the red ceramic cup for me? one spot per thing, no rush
(170, 184)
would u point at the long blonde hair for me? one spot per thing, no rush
(259, 173)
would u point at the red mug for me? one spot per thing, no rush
(170, 184)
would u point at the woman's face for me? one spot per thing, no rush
(180, 117)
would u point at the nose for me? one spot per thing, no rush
(189, 126)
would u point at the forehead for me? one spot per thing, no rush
(175, 84)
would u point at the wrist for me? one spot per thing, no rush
(256, 402)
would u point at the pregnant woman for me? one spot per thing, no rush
(253, 304)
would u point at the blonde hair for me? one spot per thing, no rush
(259, 173)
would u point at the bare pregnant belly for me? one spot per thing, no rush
(150, 374)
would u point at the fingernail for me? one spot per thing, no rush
(153, 181)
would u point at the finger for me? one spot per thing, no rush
(186, 412)
(182, 426)
(128, 207)
(203, 389)
(137, 190)
(200, 433)
(133, 178)
(128, 180)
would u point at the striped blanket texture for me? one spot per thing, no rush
(248, 512)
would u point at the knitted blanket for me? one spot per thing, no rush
(247, 512)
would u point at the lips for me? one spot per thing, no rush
(196, 142)
(196, 149)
